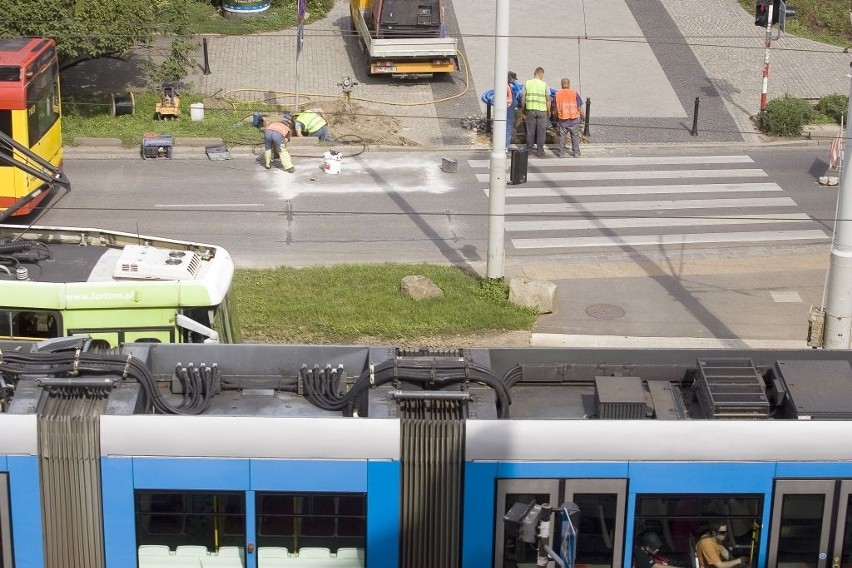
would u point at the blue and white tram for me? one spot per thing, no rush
(262, 458)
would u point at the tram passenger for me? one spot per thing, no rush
(710, 551)
(647, 555)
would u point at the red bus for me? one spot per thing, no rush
(29, 115)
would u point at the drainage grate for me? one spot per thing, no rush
(605, 311)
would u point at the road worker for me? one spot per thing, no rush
(276, 134)
(313, 122)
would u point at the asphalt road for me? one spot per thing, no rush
(386, 206)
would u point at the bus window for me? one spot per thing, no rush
(42, 97)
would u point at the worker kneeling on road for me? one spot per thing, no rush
(312, 122)
(276, 134)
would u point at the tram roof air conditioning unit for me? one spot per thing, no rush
(140, 262)
(731, 388)
(620, 398)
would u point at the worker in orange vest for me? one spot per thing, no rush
(569, 112)
(276, 134)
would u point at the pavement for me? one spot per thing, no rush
(642, 63)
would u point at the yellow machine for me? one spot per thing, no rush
(404, 37)
(168, 107)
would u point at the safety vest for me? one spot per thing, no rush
(509, 95)
(566, 104)
(311, 121)
(536, 95)
(279, 127)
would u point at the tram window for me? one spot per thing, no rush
(680, 520)
(295, 520)
(177, 518)
(29, 324)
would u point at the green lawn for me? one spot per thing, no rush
(207, 18)
(357, 303)
(90, 117)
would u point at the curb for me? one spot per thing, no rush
(192, 148)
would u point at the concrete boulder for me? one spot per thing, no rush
(420, 288)
(537, 294)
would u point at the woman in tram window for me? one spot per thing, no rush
(710, 551)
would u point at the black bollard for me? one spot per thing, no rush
(695, 118)
(206, 58)
(488, 119)
(586, 127)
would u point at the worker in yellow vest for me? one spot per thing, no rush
(535, 102)
(569, 112)
(312, 122)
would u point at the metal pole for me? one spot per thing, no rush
(588, 109)
(695, 118)
(838, 305)
(497, 180)
(488, 115)
(769, 8)
(206, 58)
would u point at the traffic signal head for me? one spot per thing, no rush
(761, 13)
(781, 12)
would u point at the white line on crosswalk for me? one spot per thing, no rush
(599, 206)
(566, 191)
(645, 222)
(636, 174)
(628, 161)
(668, 240)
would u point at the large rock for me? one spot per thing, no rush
(420, 288)
(537, 294)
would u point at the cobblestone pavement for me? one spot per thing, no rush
(730, 49)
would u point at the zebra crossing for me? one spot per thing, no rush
(653, 201)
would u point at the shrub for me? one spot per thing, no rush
(834, 106)
(785, 116)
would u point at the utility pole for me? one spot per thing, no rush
(838, 305)
(497, 179)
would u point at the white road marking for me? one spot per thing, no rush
(604, 341)
(599, 206)
(786, 297)
(627, 161)
(669, 240)
(644, 222)
(598, 190)
(636, 174)
(204, 205)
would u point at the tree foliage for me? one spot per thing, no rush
(91, 28)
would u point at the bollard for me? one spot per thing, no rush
(488, 119)
(586, 126)
(695, 118)
(206, 58)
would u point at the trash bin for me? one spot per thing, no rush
(518, 165)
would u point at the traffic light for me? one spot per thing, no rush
(781, 12)
(761, 13)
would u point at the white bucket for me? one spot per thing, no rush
(196, 111)
(333, 161)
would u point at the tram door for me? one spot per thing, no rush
(811, 524)
(5, 524)
(601, 530)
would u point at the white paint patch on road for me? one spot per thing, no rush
(786, 297)
(391, 174)
(635, 342)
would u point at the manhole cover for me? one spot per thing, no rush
(605, 311)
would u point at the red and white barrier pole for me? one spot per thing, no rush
(769, 8)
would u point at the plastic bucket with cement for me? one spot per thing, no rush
(196, 111)
(333, 161)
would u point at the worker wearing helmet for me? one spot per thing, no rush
(312, 122)
(647, 554)
(276, 134)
